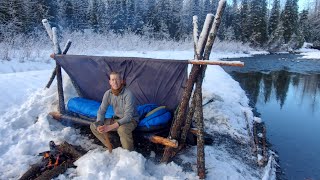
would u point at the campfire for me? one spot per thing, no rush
(54, 162)
(53, 158)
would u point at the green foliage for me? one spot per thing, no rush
(274, 17)
(290, 19)
(258, 16)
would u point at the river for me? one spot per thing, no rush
(284, 91)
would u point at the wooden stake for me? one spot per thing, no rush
(200, 125)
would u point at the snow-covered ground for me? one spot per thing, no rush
(26, 128)
(309, 53)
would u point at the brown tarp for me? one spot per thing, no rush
(151, 80)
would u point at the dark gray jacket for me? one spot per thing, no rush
(124, 106)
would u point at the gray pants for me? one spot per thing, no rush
(124, 131)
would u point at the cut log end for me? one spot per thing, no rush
(56, 115)
(164, 141)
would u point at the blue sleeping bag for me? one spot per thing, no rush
(152, 116)
(86, 107)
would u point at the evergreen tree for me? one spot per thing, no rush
(274, 17)
(245, 25)
(175, 19)
(139, 14)
(97, 19)
(258, 15)
(290, 19)
(305, 25)
(236, 21)
(224, 31)
(116, 14)
(276, 40)
(163, 14)
(65, 14)
(93, 19)
(205, 9)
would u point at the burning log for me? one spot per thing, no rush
(54, 162)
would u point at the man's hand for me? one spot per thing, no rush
(107, 128)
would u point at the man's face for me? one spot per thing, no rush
(115, 81)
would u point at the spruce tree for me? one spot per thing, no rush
(244, 21)
(290, 19)
(258, 22)
(175, 19)
(139, 14)
(274, 17)
(236, 21)
(117, 17)
(65, 14)
(93, 16)
(305, 25)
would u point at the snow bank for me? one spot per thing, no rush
(309, 53)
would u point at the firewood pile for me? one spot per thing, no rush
(54, 162)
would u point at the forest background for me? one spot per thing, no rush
(272, 25)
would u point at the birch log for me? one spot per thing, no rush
(191, 109)
(199, 46)
(177, 123)
(200, 125)
(195, 35)
(198, 91)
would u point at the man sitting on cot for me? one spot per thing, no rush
(123, 102)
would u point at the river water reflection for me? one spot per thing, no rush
(285, 92)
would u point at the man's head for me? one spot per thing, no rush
(115, 80)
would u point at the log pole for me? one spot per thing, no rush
(199, 46)
(57, 50)
(204, 35)
(59, 117)
(200, 125)
(53, 75)
(178, 121)
(198, 91)
(195, 35)
(47, 27)
(220, 63)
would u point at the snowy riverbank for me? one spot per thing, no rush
(26, 129)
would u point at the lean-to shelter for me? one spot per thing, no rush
(164, 82)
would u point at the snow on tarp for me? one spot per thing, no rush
(150, 80)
